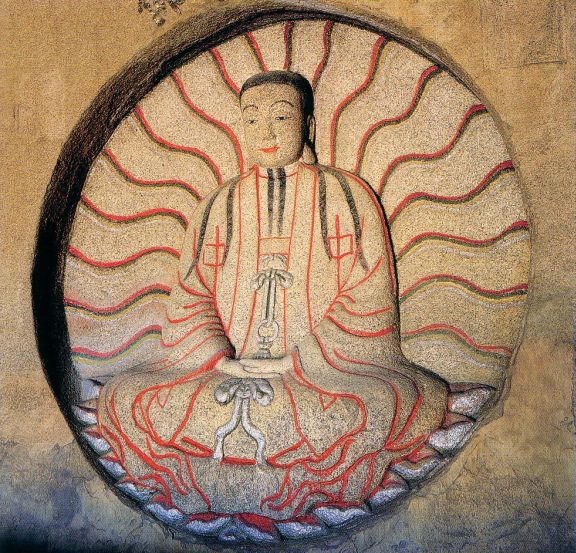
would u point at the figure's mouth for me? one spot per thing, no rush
(270, 150)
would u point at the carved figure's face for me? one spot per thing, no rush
(274, 126)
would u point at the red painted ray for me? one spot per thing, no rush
(134, 216)
(217, 56)
(131, 177)
(221, 125)
(383, 122)
(326, 37)
(461, 334)
(456, 278)
(109, 310)
(178, 147)
(505, 165)
(472, 111)
(376, 52)
(256, 48)
(122, 347)
(118, 263)
(462, 239)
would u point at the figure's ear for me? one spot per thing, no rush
(311, 124)
(308, 154)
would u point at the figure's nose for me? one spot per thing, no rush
(268, 131)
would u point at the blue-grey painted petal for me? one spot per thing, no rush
(447, 440)
(112, 467)
(208, 527)
(412, 472)
(84, 415)
(469, 403)
(140, 494)
(298, 530)
(387, 495)
(167, 515)
(96, 442)
(334, 516)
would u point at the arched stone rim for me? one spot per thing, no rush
(113, 102)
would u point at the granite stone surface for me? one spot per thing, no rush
(512, 487)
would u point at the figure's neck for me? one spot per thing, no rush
(289, 170)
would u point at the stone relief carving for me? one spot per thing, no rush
(286, 284)
(295, 280)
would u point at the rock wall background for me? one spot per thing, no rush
(513, 487)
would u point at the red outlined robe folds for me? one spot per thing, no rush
(351, 405)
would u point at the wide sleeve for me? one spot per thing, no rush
(359, 332)
(353, 353)
(193, 333)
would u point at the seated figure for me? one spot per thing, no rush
(285, 387)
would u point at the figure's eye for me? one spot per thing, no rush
(251, 121)
(282, 117)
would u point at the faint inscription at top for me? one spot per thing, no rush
(158, 8)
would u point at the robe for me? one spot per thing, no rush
(328, 430)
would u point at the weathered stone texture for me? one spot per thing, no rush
(512, 489)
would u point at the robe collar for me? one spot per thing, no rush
(290, 170)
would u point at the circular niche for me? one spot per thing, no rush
(399, 120)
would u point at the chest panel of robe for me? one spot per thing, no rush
(298, 309)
